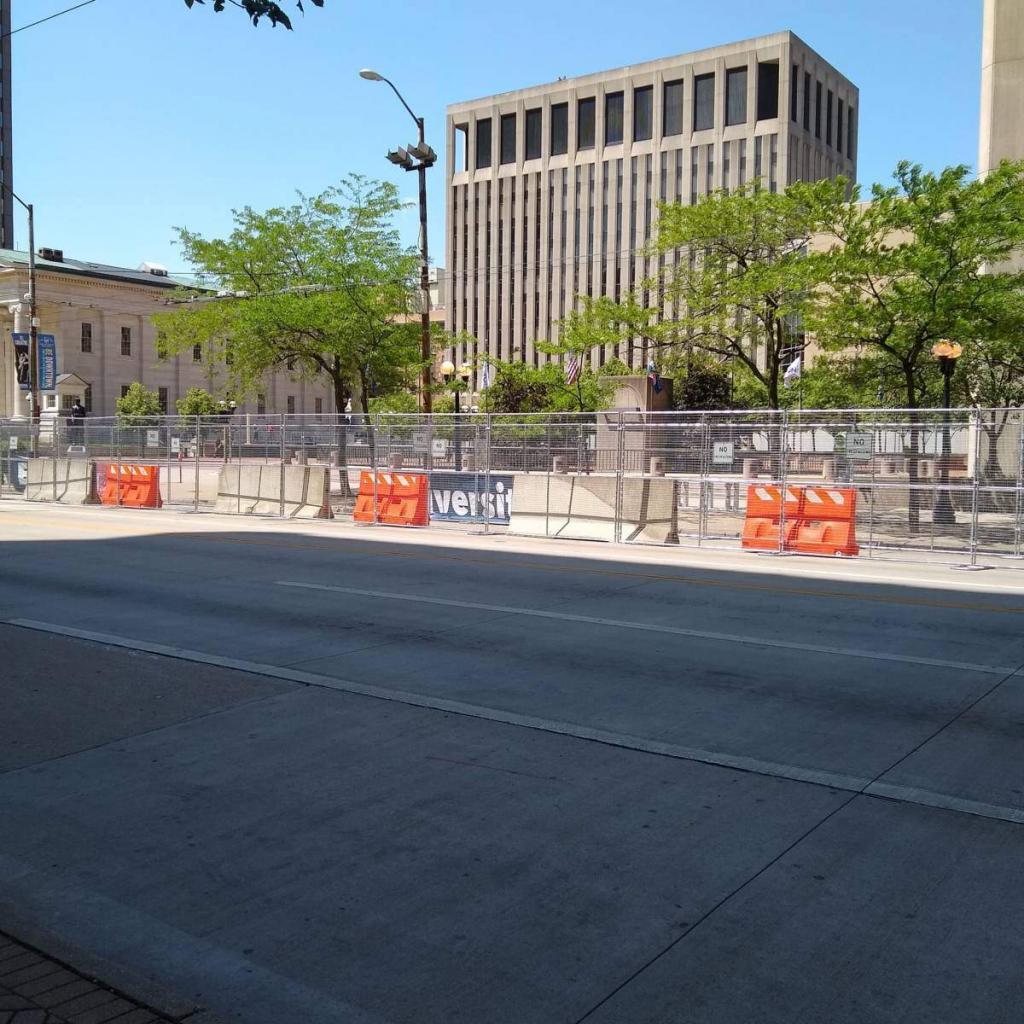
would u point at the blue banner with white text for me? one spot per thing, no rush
(464, 497)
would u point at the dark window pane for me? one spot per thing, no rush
(559, 128)
(613, 119)
(673, 115)
(643, 112)
(839, 128)
(508, 138)
(817, 109)
(736, 96)
(767, 91)
(828, 119)
(703, 102)
(533, 124)
(585, 123)
(807, 101)
(850, 118)
(483, 142)
(794, 88)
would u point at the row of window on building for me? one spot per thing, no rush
(673, 116)
(596, 237)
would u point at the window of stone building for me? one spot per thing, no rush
(828, 119)
(483, 142)
(703, 102)
(318, 405)
(767, 90)
(197, 353)
(817, 109)
(807, 101)
(559, 128)
(86, 337)
(585, 123)
(533, 133)
(162, 398)
(794, 86)
(291, 403)
(508, 138)
(839, 127)
(613, 104)
(261, 405)
(672, 116)
(736, 96)
(124, 389)
(643, 113)
(126, 341)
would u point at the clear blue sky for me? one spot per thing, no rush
(133, 116)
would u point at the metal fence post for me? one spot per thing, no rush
(195, 456)
(280, 465)
(1019, 503)
(783, 440)
(975, 422)
(487, 473)
(620, 457)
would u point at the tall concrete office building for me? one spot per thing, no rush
(552, 191)
(1001, 135)
(6, 158)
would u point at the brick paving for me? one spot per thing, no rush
(36, 989)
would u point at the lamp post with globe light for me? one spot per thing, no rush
(426, 158)
(947, 353)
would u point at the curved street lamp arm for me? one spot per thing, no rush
(401, 98)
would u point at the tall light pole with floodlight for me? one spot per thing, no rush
(947, 353)
(425, 157)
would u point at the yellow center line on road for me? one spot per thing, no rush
(330, 545)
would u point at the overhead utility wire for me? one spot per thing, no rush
(49, 17)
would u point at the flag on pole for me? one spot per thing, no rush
(572, 369)
(792, 372)
(653, 376)
(485, 376)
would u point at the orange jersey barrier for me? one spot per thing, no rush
(810, 520)
(395, 498)
(132, 486)
(764, 519)
(828, 522)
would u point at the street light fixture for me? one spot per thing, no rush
(947, 353)
(404, 158)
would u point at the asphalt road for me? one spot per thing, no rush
(313, 773)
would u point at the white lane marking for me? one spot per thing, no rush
(794, 773)
(648, 627)
(783, 771)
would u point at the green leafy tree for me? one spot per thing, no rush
(923, 261)
(519, 388)
(197, 402)
(257, 9)
(137, 405)
(738, 277)
(318, 289)
(702, 384)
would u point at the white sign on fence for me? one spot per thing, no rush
(12, 443)
(175, 445)
(859, 446)
(721, 453)
(152, 438)
(421, 440)
(439, 448)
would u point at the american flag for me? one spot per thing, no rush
(485, 377)
(572, 369)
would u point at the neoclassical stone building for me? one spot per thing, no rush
(101, 317)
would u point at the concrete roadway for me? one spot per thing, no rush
(318, 773)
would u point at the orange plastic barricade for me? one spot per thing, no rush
(764, 516)
(132, 486)
(371, 499)
(828, 522)
(408, 504)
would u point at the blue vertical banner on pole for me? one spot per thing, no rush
(47, 361)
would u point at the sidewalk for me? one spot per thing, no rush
(35, 989)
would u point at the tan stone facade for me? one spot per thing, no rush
(552, 191)
(101, 317)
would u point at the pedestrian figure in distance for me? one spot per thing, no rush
(77, 422)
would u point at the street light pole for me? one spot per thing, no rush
(427, 158)
(33, 328)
